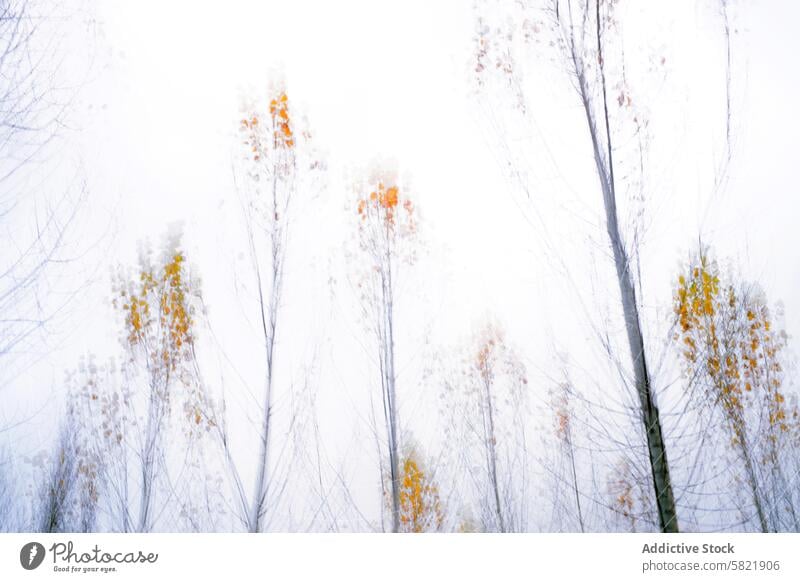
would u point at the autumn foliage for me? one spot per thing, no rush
(281, 127)
(278, 134)
(159, 304)
(386, 206)
(732, 355)
(158, 312)
(727, 337)
(629, 494)
(420, 505)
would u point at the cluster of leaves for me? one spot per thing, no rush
(489, 375)
(281, 129)
(279, 160)
(621, 490)
(629, 495)
(278, 133)
(729, 347)
(563, 413)
(383, 206)
(386, 240)
(733, 357)
(159, 305)
(496, 53)
(495, 359)
(97, 420)
(420, 505)
(253, 140)
(157, 313)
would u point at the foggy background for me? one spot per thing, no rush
(154, 135)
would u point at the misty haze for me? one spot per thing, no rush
(498, 266)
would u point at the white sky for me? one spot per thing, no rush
(381, 79)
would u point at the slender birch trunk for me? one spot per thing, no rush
(269, 323)
(391, 390)
(491, 453)
(604, 163)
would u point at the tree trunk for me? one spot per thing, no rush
(391, 392)
(604, 163)
(491, 444)
(752, 480)
(269, 326)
